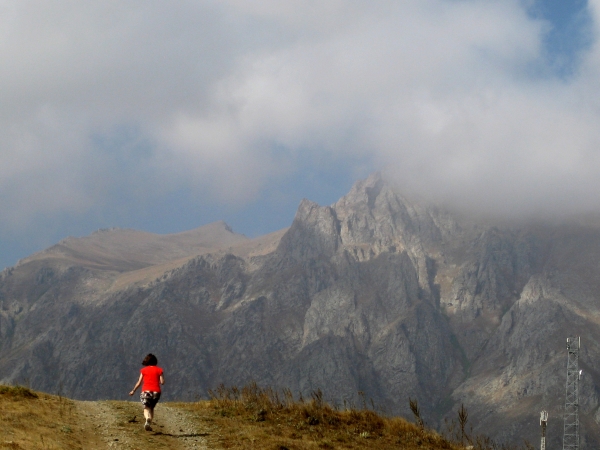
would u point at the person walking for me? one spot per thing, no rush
(152, 377)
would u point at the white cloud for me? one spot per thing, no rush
(227, 94)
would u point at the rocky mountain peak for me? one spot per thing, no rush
(362, 195)
(314, 232)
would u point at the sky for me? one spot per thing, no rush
(165, 116)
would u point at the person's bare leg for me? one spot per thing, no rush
(148, 416)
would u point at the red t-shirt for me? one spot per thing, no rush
(151, 380)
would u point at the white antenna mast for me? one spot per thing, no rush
(543, 423)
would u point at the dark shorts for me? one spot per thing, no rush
(149, 399)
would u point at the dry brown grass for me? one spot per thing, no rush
(31, 420)
(257, 418)
(265, 419)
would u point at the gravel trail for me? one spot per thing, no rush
(182, 425)
(108, 424)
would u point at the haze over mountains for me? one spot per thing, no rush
(376, 293)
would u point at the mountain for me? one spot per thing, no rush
(377, 296)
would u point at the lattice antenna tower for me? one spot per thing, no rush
(571, 417)
(543, 423)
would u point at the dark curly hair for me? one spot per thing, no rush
(150, 360)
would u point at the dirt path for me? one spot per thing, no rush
(120, 425)
(181, 424)
(102, 427)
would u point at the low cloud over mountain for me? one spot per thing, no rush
(116, 114)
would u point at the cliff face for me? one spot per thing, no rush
(374, 294)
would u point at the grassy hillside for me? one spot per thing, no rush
(248, 418)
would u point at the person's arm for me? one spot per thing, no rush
(137, 385)
(162, 379)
